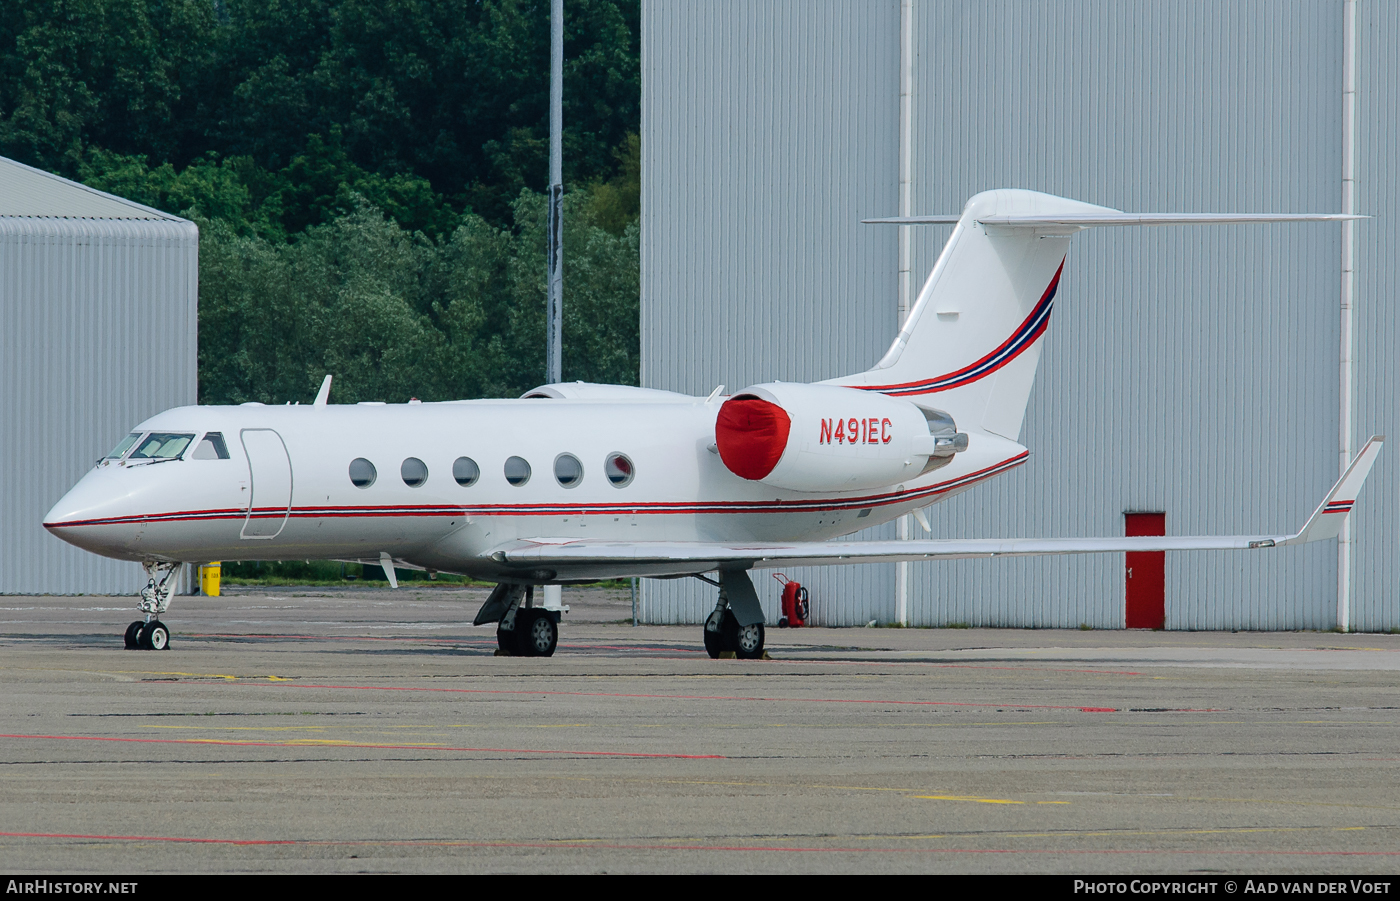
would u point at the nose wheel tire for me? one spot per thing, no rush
(154, 636)
(133, 635)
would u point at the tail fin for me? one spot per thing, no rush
(972, 341)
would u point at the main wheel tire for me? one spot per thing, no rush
(155, 636)
(748, 641)
(537, 635)
(506, 640)
(714, 643)
(729, 632)
(133, 635)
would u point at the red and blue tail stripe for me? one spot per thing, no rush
(1025, 335)
(1338, 506)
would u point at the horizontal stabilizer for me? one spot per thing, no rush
(686, 556)
(1095, 220)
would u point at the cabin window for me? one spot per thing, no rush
(162, 446)
(362, 473)
(121, 449)
(517, 471)
(568, 471)
(619, 470)
(414, 472)
(465, 471)
(211, 448)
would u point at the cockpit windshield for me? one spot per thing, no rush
(211, 448)
(121, 449)
(161, 446)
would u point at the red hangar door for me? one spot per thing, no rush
(1146, 573)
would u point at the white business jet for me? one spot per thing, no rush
(581, 482)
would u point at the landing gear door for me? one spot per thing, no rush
(269, 483)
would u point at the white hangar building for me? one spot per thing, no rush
(97, 332)
(1203, 373)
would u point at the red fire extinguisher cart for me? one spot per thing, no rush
(795, 603)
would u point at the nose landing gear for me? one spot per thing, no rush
(150, 634)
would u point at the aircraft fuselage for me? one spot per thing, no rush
(261, 502)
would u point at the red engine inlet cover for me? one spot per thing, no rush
(751, 435)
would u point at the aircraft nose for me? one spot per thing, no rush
(88, 516)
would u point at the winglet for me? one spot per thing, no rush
(324, 394)
(1326, 521)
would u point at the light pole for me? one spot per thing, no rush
(554, 253)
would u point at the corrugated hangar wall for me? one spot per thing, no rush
(1376, 520)
(97, 332)
(1187, 370)
(764, 142)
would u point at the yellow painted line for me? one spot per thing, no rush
(967, 798)
(236, 728)
(317, 742)
(1070, 833)
(137, 672)
(1289, 803)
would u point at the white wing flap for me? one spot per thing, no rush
(1324, 523)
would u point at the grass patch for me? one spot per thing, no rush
(328, 573)
(324, 573)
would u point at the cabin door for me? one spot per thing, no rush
(269, 483)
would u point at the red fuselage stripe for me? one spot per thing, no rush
(654, 508)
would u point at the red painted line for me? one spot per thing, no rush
(677, 650)
(407, 639)
(584, 844)
(291, 744)
(608, 694)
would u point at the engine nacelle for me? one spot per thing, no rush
(829, 438)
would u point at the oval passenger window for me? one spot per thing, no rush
(517, 471)
(465, 471)
(568, 470)
(619, 470)
(362, 473)
(414, 472)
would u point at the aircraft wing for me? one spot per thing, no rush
(1325, 522)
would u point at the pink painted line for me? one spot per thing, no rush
(608, 647)
(893, 663)
(610, 846)
(412, 639)
(289, 744)
(609, 694)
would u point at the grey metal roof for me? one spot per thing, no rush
(29, 192)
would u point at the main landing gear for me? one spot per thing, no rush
(736, 625)
(522, 629)
(150, 634)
